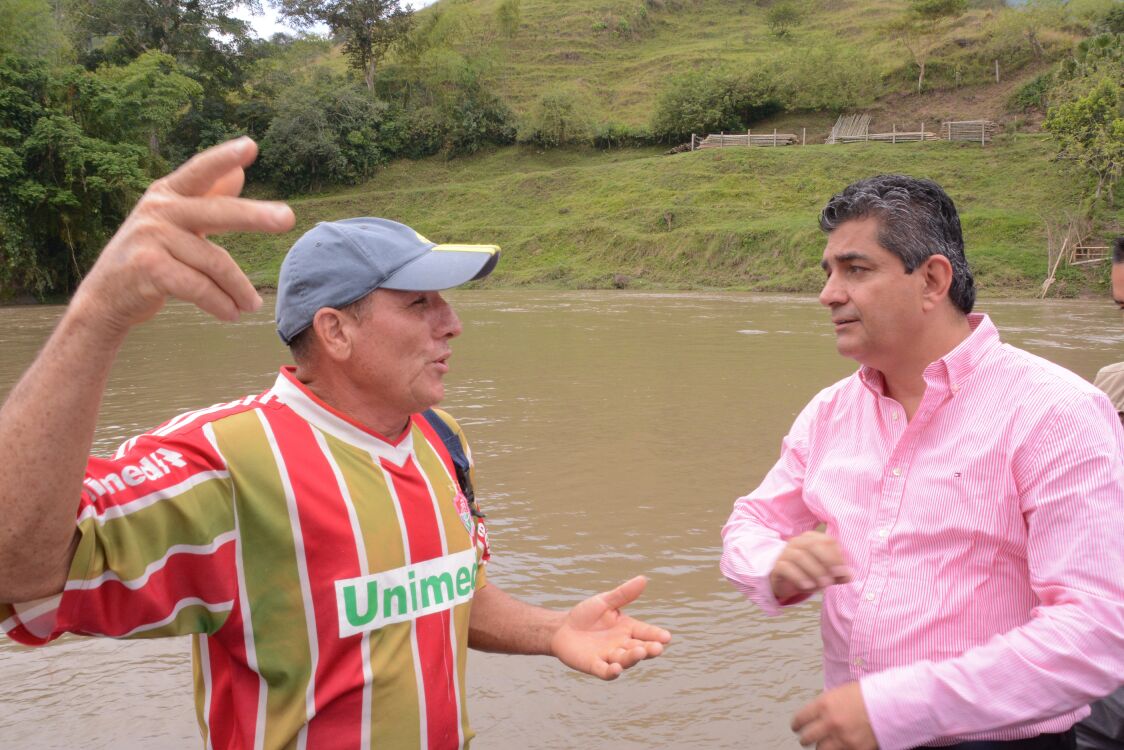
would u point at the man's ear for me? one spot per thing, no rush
(936, 274)
(332, 329)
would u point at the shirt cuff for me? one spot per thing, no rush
(898, 706)
(745, 575)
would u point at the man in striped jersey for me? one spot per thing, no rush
(959, 502)
(314, 538)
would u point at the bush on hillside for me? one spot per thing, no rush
(449, 108)
(1034, 94)
(556, 120)
(474, 118)
(829, 77)
(328, 132)
(709, 101)
(782, 17)
(615, 135)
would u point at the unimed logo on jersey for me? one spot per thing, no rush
(375, 601)
(154, 466)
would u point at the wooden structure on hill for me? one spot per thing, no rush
(1085, 254)
(978, 131)
(848, 127)
(856, 129)
(1072, 251)
(748, 138)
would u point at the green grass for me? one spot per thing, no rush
(615, 56)
(729, 218)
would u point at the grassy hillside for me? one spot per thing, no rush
(730, 218)
(614, 56)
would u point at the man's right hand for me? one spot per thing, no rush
(809, 563)
(161, 249)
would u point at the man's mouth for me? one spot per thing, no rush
(841, 322)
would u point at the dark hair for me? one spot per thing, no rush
(1118, 250)
(916, 219)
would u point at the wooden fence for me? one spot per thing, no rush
(749, 138)
(848, 129)
(978, 131)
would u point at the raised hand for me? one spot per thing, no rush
(595, 637)
(161, 250)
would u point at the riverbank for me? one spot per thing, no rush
(735, 219)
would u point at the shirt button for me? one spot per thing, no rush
(894, 416)
(955, 387)
(870, 597)
(883, 533)
(896, 472)
(858, 662)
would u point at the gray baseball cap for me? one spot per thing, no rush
(338, 262)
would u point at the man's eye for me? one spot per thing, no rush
(420, 300)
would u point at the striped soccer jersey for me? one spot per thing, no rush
(324, 572)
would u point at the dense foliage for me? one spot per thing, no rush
(64, 186)
(97, 98)
(1087, 109)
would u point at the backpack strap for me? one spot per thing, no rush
(456, 452)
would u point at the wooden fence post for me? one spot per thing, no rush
(803, 131)
(894, 133)
(997, 71)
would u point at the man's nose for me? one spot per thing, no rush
(832, 292)
(449, 325)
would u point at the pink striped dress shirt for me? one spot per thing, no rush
(986, 536)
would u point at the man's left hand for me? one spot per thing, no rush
(597, 638)
(837, 720)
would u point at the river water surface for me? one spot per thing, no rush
(612, 433)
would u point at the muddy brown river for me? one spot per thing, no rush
(612, 433)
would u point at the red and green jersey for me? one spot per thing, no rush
(325, 573)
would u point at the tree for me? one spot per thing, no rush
(919, 29)
(328, 131)
(30, 29)
(368, 28)
(188, 31)
(146, 98)
(781, 17)
(62, 191)
(1090, 130)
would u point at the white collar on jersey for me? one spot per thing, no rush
(293, 394)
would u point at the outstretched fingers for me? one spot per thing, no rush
(214, 264)
(200, 174)
(221, 213)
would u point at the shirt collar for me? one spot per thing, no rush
(294, 394)
(954, 368)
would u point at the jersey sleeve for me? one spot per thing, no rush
(156, 547)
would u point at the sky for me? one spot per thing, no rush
(266, 24)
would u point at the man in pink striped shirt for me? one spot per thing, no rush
(958, 501)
